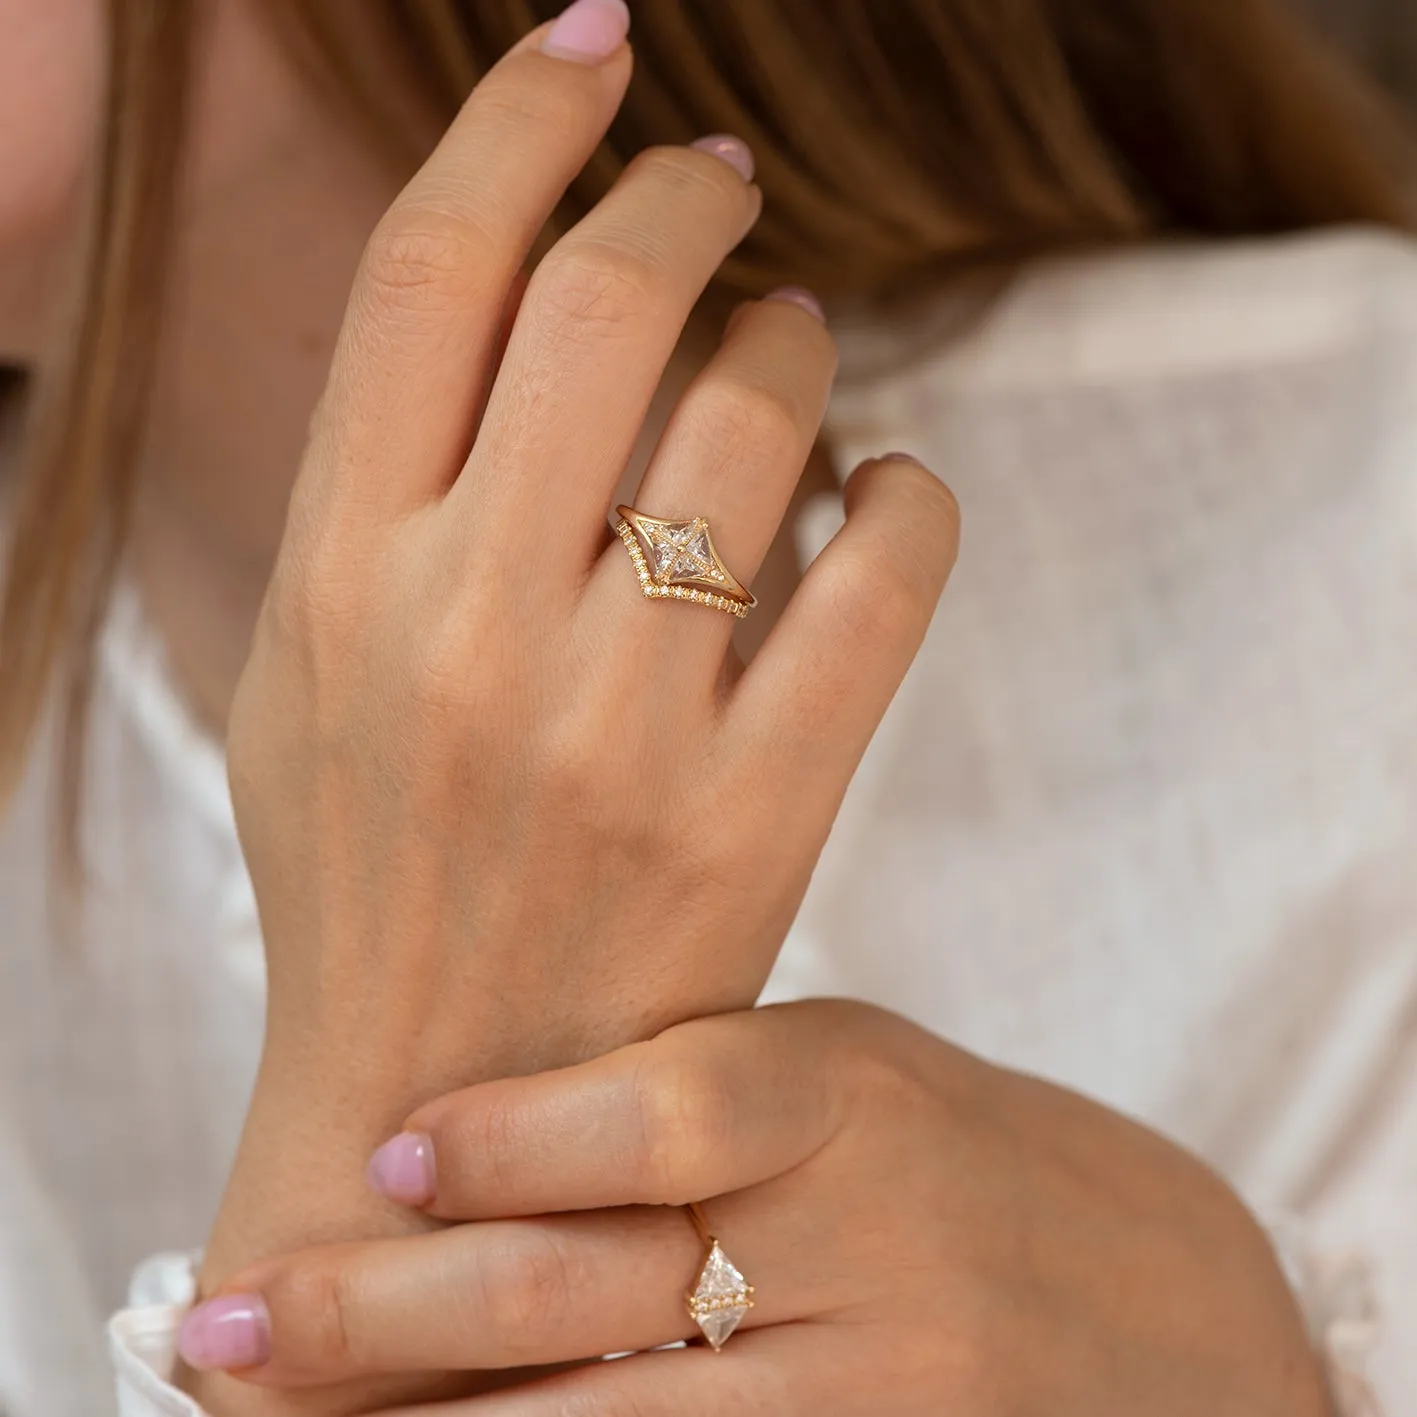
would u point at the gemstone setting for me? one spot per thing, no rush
(722, 1299)
(681, 563)
(680, 551)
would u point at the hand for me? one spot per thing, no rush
(928, 1234)
(501, 811)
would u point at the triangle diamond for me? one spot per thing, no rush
(688, 568)
(665, 553)
(722, 1300)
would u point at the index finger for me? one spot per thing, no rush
(417, 350)
(706, 1109)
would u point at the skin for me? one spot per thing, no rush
(281, 200)
(49, 77)
(911, 1216)
(463, 767)
(493, 845)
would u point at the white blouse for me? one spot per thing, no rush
(1143, 819)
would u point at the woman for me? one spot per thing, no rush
(506, 814)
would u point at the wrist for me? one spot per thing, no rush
(332, 1087)
(298, 1176)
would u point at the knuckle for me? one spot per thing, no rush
(324, 1296)
(928, 508)
(508, 101)
(304, 602)
(948, 508)
(881, 1085)
(687, 174)
(496, 1133)
(421, 259)
(340, 1322)
(315, 611)
(877, 597)
(569, 777)
(534, 1292)
(596, 285)
(442, 658)
(464, 668)
(685, 1119)
(579, 773)
(936, 504)
(761, 417)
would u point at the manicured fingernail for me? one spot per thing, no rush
(734, 151)
(230, 1332)
(800, 295)
(588, 31)
(403, 1170)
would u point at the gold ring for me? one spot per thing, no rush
(721, 1299)
(677, 560)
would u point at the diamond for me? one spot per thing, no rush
(722, 1299)
(681, 552)
(665, 554)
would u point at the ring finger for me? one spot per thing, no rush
(734, 450)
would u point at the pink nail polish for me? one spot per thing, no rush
(229, 1332)
(734, 151)
(403, 1169)
(588, 32)
(801, 296)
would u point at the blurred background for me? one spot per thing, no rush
(1381, 33)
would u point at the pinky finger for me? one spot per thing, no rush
(815, 693)
(776, 1372)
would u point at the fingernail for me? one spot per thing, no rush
(403, 1170)
(900, 457)
(588, 31)
(801, 296)
(230, 1332)
(734, 151)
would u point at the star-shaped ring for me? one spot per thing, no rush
(677, 560)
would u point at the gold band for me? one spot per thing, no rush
(722, 1297)
(677, 560)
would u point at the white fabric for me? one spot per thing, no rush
(1142, 820)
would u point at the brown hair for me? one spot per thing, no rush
(899, 144)
(1380, 34)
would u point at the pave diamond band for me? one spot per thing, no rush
(721, 1299)
(677, 560)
